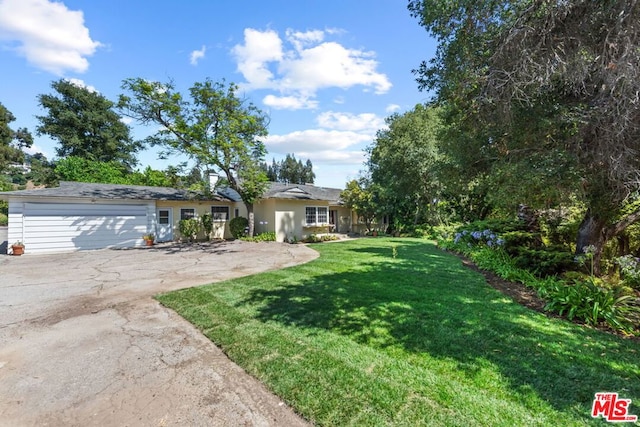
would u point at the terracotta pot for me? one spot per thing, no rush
(17, 250)
(149, 242)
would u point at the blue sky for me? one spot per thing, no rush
(326, 72)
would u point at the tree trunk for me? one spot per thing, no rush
(591, 233)
(595, 231)
(251, 218)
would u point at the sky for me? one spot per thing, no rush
(327, 73)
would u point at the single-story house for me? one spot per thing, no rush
(77, 216)
(294, 211)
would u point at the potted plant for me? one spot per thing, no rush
(149, 238)
(17, 248)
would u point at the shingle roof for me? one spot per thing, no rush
(276, 190)
(113, 191)
(279, 190)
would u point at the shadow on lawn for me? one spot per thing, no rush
(425, 302)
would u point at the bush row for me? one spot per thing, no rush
(520, 256)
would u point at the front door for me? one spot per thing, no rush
(164, 228)
(332, 220)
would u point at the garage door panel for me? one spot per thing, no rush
(81, 222)
(77, 209)
(61, 227)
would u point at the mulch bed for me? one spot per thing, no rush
(519, 292)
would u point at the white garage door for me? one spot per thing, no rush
(59, 227)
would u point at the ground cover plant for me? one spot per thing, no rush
(397, 332)
(579, 295)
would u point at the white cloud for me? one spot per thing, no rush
(299, 39)
(314, 140)
(197, 55)
(289, 102)
(47, 34)
(260, 48)
(392, 108)
(82, 84)
(308, 65)
(126, 120)
(332, 65)
(367, 123)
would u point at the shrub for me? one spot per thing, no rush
(514, 240)
(4, 219)
(312, 238)
(189, 228)
(268, 236)
(206, 220)
(466, 241)
(543, 262)
(588, 301)
(578, 296)
(237, 226)
(630, 270)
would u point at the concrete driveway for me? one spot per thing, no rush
(83, 342)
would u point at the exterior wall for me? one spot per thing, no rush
(287, 218)
(220, 228)
(15, 232)
(344, 220)
(264, 213)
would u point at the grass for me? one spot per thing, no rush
(372, 335)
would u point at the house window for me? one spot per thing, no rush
(163, 217)
(187, 213)
(315, 215)
(220, 213)
(236, 213)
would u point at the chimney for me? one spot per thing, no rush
(213, 180)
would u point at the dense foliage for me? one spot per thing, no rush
(86, 125)
(541, 103)
(11, 141)
(238, 226)
(565, 282)
(213, 126)
(290, 170)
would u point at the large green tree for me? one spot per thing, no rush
(553, 83)
(81, 169)
(362, 196)
(403, 162)
(11, 141)
(213, 126)
(290, 170)
(86, 125)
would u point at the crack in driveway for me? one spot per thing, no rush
(81, 353)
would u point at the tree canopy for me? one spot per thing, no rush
(361, 196)
(86, 125)
(403, 163)
(547, 91)
(11, 141)
(290, 170)
(213, 126)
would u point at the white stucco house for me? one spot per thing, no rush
(79, 216)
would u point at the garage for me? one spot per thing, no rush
(56, 227)
(80, 215)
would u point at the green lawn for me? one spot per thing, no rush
(362, 337)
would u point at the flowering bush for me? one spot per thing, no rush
(478, 238)
(630, 270)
